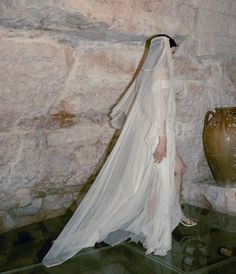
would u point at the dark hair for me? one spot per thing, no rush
(171, 40)
(147, 46)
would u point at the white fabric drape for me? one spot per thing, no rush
(132, 196)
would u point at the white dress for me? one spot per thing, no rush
(132, 196)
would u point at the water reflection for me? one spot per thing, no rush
(207, 248)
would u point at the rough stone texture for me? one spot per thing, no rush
(211, 196)
(64, 63)
(6, 221)
(214, 5)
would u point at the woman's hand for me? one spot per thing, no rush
(160, 150)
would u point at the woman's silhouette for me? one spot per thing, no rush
(134, 195)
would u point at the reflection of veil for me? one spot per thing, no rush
(132, 196)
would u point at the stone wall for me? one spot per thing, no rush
(64, 63)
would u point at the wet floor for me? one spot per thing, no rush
(208, 248)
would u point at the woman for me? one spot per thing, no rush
(134, 195)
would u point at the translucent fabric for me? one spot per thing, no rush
(132, 196)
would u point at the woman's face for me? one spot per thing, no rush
(173, 50)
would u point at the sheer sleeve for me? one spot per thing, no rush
(160, 95)
(161, 88)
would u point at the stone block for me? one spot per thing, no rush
(185, 19)
(192, 97)
(219, 198)
(185, 69)
(28, 79)
(233, 27)
(192, 151)
(209, 44)
(22, 197)
(147, 16)
(4, 173)
(31, 13)
(54, 202)
(210, 22)
(230, 72)
(73, 153)
(233, 7)
(6, 222)
(8, 117)
(10, 146)
(79, 135)
(29, 210)
(218, 86)
(28, 166)
(60, 166)
(101, 74)
(214, 5)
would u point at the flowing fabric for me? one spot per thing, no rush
(132, 197)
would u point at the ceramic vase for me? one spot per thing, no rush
(219, 142)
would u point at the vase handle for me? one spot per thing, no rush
(207, 118)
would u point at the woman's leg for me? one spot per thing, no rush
(180, 169)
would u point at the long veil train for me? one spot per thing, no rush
(132, 196)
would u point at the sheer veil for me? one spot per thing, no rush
(132, 197)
